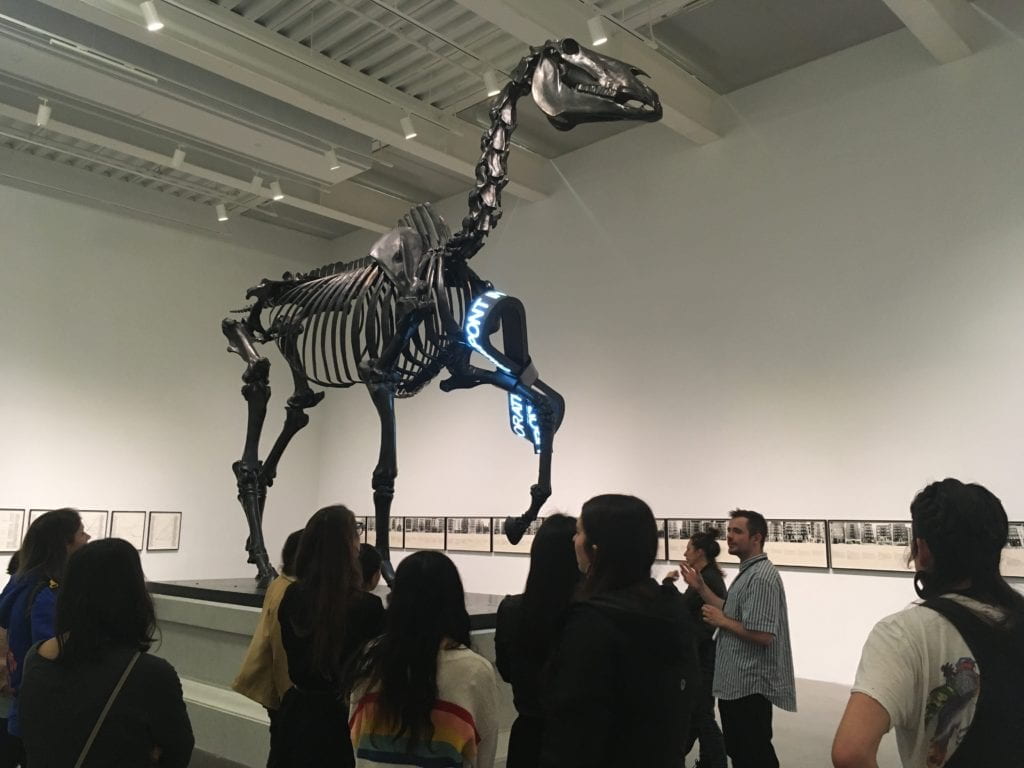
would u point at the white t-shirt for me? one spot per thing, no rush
(918, 667)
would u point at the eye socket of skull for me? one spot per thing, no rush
(570, 47)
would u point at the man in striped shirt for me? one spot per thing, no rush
(754, 662)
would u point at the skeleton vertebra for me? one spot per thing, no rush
(413, 307)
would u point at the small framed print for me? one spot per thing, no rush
(870, 545)
(679, 531)
(164, 532)
(33, 515)
(1012, 565)
(364, 535)
(662, 542)
(12, 521)
(797, 543)
(95, 523)
(424, 533)
(129, 525)
(468, 534)
(501, 543)
(395, 532)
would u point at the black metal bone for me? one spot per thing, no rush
(398, 317)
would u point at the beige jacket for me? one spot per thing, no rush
(264, 673)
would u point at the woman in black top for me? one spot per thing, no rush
(325, 619)
(528, 625)
(624, 670)
(700, 555)
(104, 617)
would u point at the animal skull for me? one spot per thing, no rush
(574, 85)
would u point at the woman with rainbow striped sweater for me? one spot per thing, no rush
(420, 695)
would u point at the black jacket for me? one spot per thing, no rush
(622, 680)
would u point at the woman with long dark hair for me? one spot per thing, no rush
(528, 625)
(946, 673)
(701, 556)
(28, 604)
(105, 626)
(325, 617)
(421, 696)
(625, 671)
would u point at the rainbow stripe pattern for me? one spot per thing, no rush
(454, 741)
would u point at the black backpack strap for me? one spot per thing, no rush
(995, 736)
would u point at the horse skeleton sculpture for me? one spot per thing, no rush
(394, 319)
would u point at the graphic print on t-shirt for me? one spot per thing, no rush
(946, 705)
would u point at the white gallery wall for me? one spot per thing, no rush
(117, 389)
(813, 317)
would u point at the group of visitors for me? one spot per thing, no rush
(83, 691)
(608, 667)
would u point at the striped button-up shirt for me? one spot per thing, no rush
(757, 600)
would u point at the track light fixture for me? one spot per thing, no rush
(256, 185)
(222, 212)
(153, 23)
(178, 159)
(408, 129)
(275, 190)
(598, 36)
(332, 159)
(43, 114)
(491, 83)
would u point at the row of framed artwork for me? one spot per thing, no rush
(154, 531)
(854, 545)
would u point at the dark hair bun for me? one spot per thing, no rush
(706, 542)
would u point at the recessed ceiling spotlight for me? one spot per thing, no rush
(598, 36)
(222, 212)
(332, 159)
(43, 114)
(275, 190)
(153, 23)
(408, 129)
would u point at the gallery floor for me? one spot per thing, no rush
(802, 740)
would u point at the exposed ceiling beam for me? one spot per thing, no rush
(944, 27)
(687, 102)
(368, 197)
(228, 45)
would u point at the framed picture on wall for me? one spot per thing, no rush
(501, 543)
(662, 542)
(12, 521)
(164, 532)
(1012, 565)
(797, 543)
(365, 522)
(35, 514)
(129, 525)
(95, 523)
(424, 533)
(870, 545)
(468, 534)
(679, 531)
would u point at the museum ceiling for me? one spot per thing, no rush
(295, 112)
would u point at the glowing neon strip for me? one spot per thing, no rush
(477, 312)
(531, 419)
(515, 410)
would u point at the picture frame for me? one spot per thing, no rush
(468, 534)
(130, 525)
(1012, 562)
(424, 533)
(12, 528)
(869, 545)
(679, 531)
(500, 544)
(797, 543)
(33, 515)
(95, 522)
(396, 534)
(164, 533)
(662, 539)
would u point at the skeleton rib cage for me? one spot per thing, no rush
(327, 326)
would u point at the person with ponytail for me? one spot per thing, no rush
(325, 618)
(624, 674)
(420, 695)
(947, 672)
(701, 556)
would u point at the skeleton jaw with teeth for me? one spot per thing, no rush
(574, 85)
